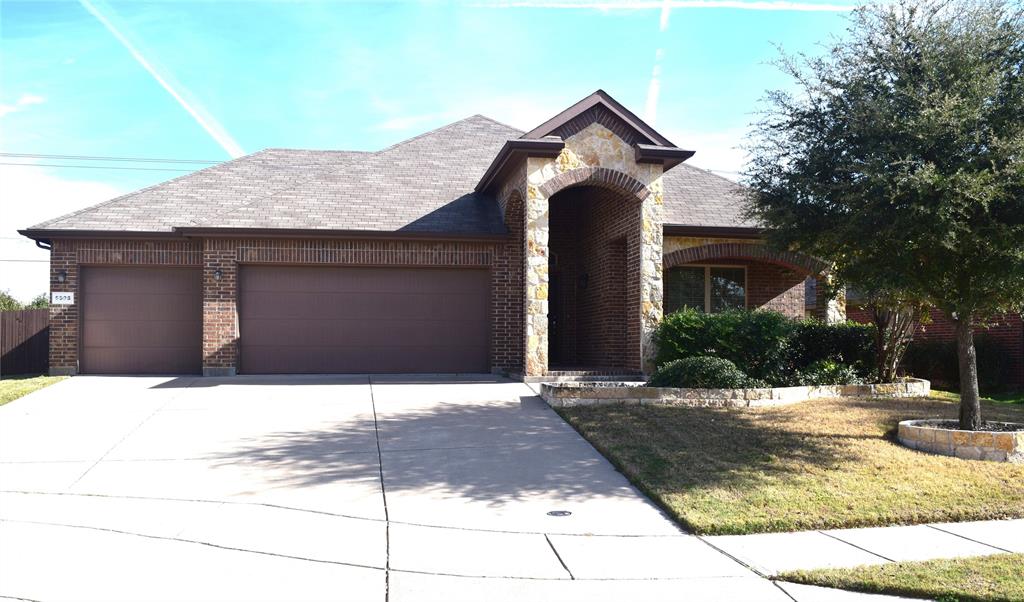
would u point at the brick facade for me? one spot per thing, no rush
(1007, 330)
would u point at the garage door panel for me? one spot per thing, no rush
(139, 333)
(138, 320)
(140, 360)
(288, 305)
(313, 319)
(369, 360)
(139, 306)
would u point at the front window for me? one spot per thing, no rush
(705, 288)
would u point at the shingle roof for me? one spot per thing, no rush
(696, 197)
(422, 185)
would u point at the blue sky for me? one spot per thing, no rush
(241, 76)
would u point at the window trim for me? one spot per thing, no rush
(707, 281)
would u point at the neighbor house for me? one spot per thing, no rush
(471, 248)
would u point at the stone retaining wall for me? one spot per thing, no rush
(562, 395)
(969, 445)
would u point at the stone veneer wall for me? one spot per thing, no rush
(220, 302)
(969, 445)
(594, 155)
(563, 395)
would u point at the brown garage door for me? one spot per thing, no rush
(360, 320)
(139, 320)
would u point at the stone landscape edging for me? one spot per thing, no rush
(922, 435)
(564, 395)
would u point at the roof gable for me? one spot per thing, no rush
(600, 107)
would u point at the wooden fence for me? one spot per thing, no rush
(24, 341)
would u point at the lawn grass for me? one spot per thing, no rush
(13, 387)
(820, 464)
(1010, 398)
(985, 578)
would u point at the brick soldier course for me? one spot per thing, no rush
(593, 206)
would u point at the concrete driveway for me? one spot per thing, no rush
(328, 488)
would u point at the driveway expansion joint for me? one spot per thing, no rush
(383, 495)
(559, 557)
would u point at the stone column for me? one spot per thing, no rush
(536, 255)
(651, 285)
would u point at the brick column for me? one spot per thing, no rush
(220, 303)
(64, 318)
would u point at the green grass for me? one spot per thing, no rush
(815, 465)
(985, 578)
(1009, 398)
(13, 387)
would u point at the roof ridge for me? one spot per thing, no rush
(501, 123)
(713, 174)
(429, 132)
(141, 190)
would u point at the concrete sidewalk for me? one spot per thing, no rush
(774, 553)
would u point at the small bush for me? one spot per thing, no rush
(828, 372)
(702, 372)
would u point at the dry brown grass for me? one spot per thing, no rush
(818, 464)
(982, 579)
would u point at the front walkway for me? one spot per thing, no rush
(336, 488)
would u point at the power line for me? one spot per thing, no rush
(94, 166)
(104, 158)
(26, 260)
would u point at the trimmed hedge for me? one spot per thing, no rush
(765, 345)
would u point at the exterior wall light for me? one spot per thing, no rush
(62, 276)
(217, 274)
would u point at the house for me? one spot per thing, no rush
(472, 248)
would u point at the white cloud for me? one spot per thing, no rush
(29, 195)
(26, 100)
(666, 8)
(31, 99)
(717, 151)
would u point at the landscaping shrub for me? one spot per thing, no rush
(765, 345)
(845, 343)
(702, 372)
(828, 372)
(757, 342)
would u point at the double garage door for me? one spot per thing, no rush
(291, 320)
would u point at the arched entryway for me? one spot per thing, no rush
(594, 280)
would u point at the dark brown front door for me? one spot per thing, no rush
(363, 320)
(140, 320)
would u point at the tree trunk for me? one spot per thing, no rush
(970, 406)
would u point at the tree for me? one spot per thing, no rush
(900, 156)
(8, 303)
(41, 301)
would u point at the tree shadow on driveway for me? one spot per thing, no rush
(494, 452)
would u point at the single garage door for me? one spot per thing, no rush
(361, 320)
(141, 320)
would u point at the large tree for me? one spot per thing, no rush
(899, 154)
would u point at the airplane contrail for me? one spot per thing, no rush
(193, 108)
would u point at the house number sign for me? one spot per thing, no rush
(62, 298)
